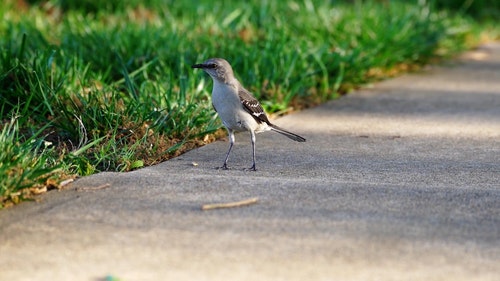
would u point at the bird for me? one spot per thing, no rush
(238, 109)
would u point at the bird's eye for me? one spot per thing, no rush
(212, 65)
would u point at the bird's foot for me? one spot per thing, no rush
(224, 167)
(251, 168)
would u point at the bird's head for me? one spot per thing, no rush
(219, 69)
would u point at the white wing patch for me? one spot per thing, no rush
(252, 106)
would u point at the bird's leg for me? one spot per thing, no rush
(231, 143)
(252, 137)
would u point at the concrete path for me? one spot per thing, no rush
(400, 181)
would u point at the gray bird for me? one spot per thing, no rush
(237, 108)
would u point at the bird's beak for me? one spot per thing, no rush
(198, 65)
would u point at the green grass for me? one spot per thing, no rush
(89, 86)
(25, 164)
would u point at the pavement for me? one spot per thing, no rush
(398, 181)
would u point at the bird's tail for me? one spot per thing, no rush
(292, 136)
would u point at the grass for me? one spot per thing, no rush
(26, 166)
(90, 86)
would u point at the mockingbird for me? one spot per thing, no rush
(237, 108)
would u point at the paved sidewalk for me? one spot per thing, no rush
(400, 181)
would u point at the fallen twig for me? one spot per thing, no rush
(230, 204)
(93, 188)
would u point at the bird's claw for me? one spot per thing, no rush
(251, 168)
(224, 167)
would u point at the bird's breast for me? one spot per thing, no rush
(227, 103)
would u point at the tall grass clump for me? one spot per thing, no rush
(25, 165)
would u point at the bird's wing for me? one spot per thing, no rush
(252, 106)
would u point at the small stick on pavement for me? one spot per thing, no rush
(93, 188)
(230, 205)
